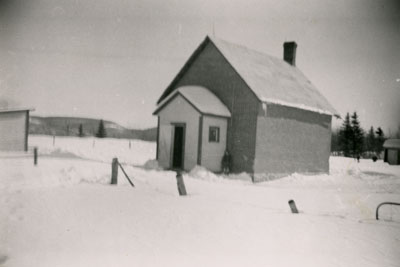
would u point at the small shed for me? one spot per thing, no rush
(192, 129)
(14, 127)
(392, 151)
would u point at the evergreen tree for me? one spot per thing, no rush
(380, 139)
(80, 134)
(370, 140)
(345, 136)
(335, 141)
(101, 131)
(357, 136)
(397, 135)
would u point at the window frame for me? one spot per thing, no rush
(217, 134)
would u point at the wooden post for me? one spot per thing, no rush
(35, 156)
(129, 144)
(114, 171)
(293, 207)
(181, 184)
(54, 140)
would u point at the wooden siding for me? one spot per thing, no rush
(211, 70)
(212, 152)
(178, 111)
(393, 156)
(292, 140)
(158, 135)
(13, 131)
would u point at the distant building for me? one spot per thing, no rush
(14, 127)
(392, 151)
(261, 109)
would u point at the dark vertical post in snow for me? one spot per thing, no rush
(293, 207)
(35, 155)
(54, 140)
(114, 171)
(129, 144)
(181, 184)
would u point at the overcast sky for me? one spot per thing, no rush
(113, 59)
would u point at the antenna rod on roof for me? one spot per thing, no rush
(213, 30)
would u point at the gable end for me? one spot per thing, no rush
(183, 70)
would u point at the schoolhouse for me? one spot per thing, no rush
(262, 109)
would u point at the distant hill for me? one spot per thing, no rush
(69, 126)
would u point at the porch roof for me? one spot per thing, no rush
(392, 143)
(202, 99)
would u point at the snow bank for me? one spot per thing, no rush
(204, 174)
(152, 165)
(199, 172)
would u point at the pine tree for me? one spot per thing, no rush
(357, 136)
(345, 136)
(370, 140)
(335, 141)
(101, 131)
(380, 139)
(397, 135)
(80, 134)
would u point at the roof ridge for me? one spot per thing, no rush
(241, 46)
(267, 77)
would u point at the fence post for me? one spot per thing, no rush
(293, 207)
(181, 184)
(114, 171)
(129, 144)
(54, 140)
(35, 155)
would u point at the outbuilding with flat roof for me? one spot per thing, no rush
(392, 151)
(14, 127)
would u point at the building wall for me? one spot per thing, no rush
(212, 71)
(13, 131)
(212, 152)
(178, 110)
(292, 140)
(393, 157)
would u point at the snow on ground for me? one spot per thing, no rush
(98, 149)
(63, 212)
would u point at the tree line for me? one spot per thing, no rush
(101, 130)
(351, 140)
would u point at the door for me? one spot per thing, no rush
(178, 150)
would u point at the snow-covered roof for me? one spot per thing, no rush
(9, 105)
(271, 79)
(201, 98)
(392, 143)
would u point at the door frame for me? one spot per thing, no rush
(174, 125)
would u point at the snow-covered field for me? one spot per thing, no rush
(63, 212)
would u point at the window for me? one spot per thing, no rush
(213, 134)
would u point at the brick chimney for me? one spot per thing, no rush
(289, 52)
